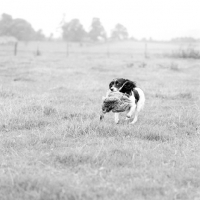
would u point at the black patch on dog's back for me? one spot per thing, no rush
(128, 87)
(136, 95)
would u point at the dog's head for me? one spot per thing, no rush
(122, 85)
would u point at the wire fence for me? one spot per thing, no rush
(108, 49)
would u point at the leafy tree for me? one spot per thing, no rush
(22, 30)
(6, 24)
(19, 28)
(119, 32)
(97, 30)
(73, 31)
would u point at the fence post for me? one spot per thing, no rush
(108, 49)
(37, 51)
(67, 49)
(145, 50)
(15, 48)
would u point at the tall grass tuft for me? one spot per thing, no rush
(189, 52)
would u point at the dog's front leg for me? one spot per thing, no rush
(116, 118)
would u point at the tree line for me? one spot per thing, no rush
(74, 31)
(71, 31)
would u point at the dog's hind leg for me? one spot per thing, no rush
(131, 111)
(139, 107)
(116, 118)
(135, 118)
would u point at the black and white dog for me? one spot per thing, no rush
(136, 95)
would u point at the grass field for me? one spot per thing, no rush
(53, 145)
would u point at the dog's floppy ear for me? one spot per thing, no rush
(111, 84)
(128, 87)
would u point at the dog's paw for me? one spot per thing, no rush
(128, 117)
(134, 121)
(116, 121)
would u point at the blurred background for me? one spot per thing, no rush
(39, 27)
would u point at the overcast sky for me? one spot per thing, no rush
(159, 19)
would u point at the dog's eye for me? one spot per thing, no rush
(116, 83)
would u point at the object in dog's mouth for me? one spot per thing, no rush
(115, 102)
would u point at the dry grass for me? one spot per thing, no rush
(189, 52)
(54, 147)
